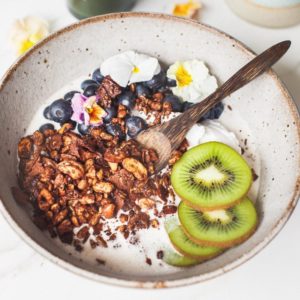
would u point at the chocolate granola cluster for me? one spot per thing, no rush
(81, 181)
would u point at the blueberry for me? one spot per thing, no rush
(142, 90)
(213, 113)
(171, 82)
(111, 113)
(97, 76)
(68, 96)
(60, 111)
(127, 99)
(115, 130)
(157, 82)
(218, 110)
(83, 129)
(90, 90)
(45, 127)
(186, 105)
(86, 83)
(46, 113)
(176, 103)
(135, 125)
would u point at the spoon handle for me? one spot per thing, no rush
(250, 71)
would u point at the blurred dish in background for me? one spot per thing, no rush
(269, 13)
(189, 9)
(88, 8)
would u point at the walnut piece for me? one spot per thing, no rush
(72, 168)
(103, 187)
(135, 167)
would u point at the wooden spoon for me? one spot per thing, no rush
(166, 137)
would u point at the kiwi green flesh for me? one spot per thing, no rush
(177, 260)
(211, 175)
(220, 228)
(187, 247)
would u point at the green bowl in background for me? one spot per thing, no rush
(87, 8)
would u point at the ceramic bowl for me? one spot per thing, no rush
(264, 105)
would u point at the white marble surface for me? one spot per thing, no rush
(272, 274)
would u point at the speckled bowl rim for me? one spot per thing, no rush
(156, 283)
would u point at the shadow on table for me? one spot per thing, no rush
(291, 79)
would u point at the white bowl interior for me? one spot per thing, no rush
(264, 105)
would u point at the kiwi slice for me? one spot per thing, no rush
(211, 176)
(186, 247)
(219, 228)
(176, 260)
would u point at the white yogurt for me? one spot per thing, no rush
(123, 257)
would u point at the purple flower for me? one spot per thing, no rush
(86, 110)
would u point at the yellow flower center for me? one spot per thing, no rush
(29, 42)
(135, 70)
(95, 112)
(186, 9)
(183, 77)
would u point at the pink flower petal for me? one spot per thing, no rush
(77, 103)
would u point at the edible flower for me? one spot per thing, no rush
(27, 32)
(86, 110)
(130, 67)
(188, 9)
(193, 80)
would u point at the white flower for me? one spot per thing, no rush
(193, 79)
(129, 67)
(27, 32)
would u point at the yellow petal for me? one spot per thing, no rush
(187, 9)
(96, 113)
(183, 77)
(24, 46)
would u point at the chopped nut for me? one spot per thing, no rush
(136, 168)
(155, 106)
(60, 216)
(74, 169)
(160, 254)
(148, 261)
(45, 200)
(25, 147)
(65, 128)
(174, 157)
(169, 209)
(114, 157)
(108, 211)
(103, 187)
(87, 199)
(106, 136)
(120, 198)
(93, 244)
(123, 218)
(83, 234)
(38, 138)
(154, 223)
(122, 111)
(100, 174)
(122, 228)
(101, 241)
(95, 219)
(122, 180)
(146, 203)
(82, 184)
(97, 228)
(54, 142)
(113, 166)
